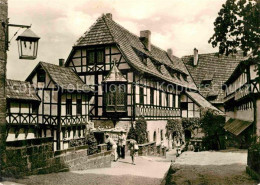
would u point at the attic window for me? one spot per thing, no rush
(159, 67)
(178, 76)
(212, 97)
(205, 83)
(41, 75)
(207, 79)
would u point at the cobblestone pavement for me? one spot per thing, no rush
(222, 167)
(148, 170)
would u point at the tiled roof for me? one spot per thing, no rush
(212, 65)
(20, 90)
(107, 31)
(202, 101)
(64, 77)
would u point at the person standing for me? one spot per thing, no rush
(133, 149)
(121, 145)
(111, 142)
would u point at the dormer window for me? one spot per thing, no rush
(206, 81)
(144, 59)
(184, 77)
(178, 76)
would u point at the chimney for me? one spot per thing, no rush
(109, 15)
(61, 62)
(169, 52)
(145, 37)
(195, 57)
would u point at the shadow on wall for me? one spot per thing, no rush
(36, 156)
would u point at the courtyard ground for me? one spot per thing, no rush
(210, 167)
(223, 167)
(148, 170)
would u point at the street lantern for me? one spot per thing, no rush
(27, 45)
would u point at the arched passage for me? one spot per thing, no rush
(187, 134)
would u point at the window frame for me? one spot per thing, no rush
(113, 102)
(69, 107)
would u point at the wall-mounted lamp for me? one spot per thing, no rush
(27, 41)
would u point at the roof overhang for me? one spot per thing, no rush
(236, 126)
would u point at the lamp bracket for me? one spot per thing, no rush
(6, 25)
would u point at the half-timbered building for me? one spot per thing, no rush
(133, 78)
(22, 110)
(62, 112)
(242, 102)
(209, 72)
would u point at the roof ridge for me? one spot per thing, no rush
(211, 53)
(86, 32)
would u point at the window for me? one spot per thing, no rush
(41, 75)
(160, 98)
(95, 56)
(173, 101)
(116, 98)
(184, 105)
(185, 77)
(91, 57)
(154, 136)
(152, 97)
(100, 56)
(69, 106)
(141, 95)
(144, 60)
(167, 100)
(79, 106)
(34, 108)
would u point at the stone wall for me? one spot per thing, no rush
(253, 163)
(3, 56)
(151, 149)
(36, 156)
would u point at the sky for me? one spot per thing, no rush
(181, 25)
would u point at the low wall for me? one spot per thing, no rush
(36, 156)
(151, 149)
(253, 163)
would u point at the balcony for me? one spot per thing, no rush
(22, 118)
(161, 112)
(74, 120)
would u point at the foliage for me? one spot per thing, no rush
(131, 134)
(212, 125)
(139, 133)
(92, 144)
(237, 27)
(174, 125)
(141, 130)
(255, 146)
(191, 123)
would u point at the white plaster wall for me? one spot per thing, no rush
(157, 126)
(247, 115)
